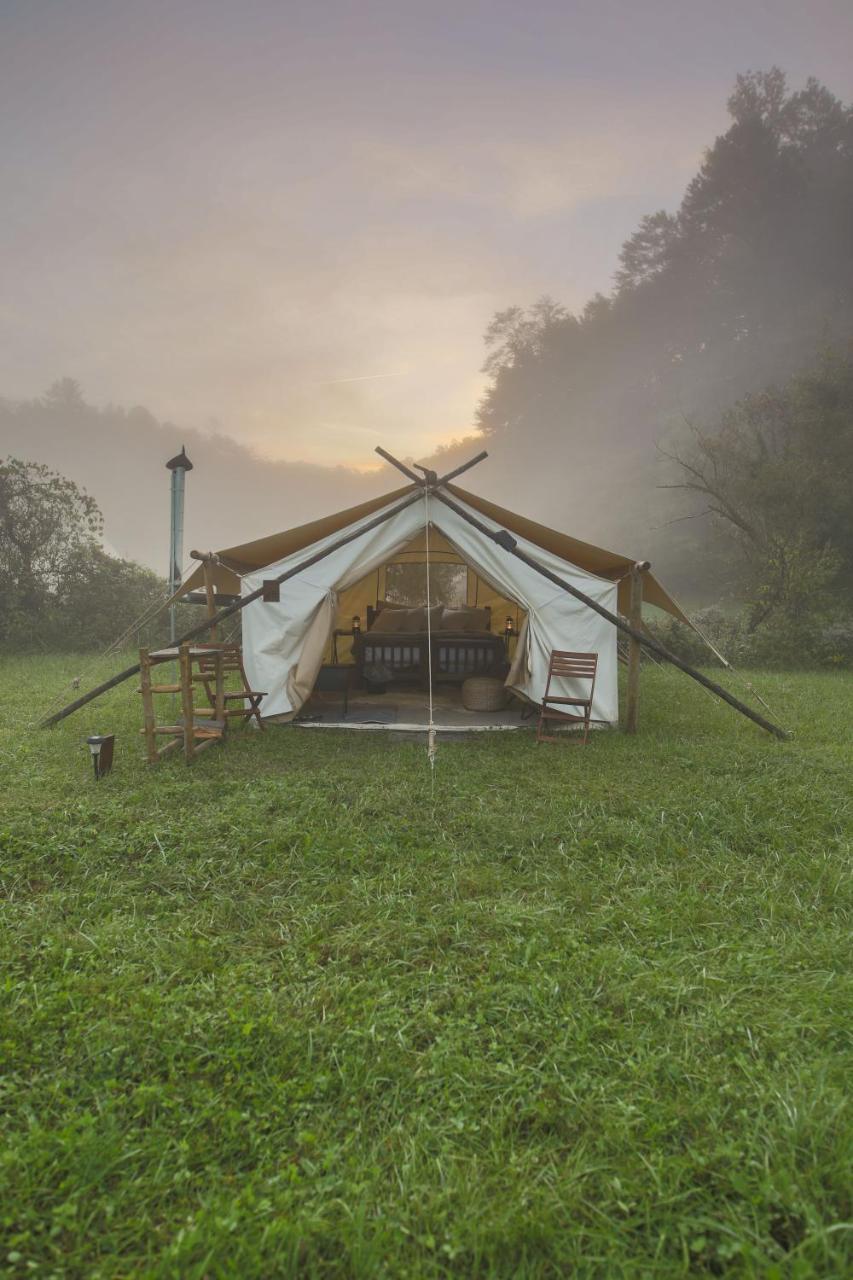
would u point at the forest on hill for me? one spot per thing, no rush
(743, 287)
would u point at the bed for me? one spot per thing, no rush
(395, 647)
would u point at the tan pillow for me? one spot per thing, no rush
(397, 619)
(465, 620)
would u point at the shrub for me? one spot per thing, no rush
(786, 642)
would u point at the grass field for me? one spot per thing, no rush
(293, 1012)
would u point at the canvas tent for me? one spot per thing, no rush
(290, 648)
(286, 642)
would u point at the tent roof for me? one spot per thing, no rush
(240, 559)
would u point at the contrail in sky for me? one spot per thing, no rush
(365, 377)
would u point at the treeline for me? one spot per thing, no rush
(738, 289)
(682, 380)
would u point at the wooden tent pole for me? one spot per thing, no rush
(208, 559)
(234, 608)
(148, 717)
(635, 617)
(209, 591)
(466, 466)
(508, 542)
(401, 466)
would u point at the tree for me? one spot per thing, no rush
(58, 588)
(45, 524)
(104, 596)
(777, 478)
(648, 251)
(65, 394)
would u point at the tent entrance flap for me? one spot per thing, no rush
(454, 583)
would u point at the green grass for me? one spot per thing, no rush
(289, 1012)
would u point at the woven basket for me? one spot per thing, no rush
(483, 693)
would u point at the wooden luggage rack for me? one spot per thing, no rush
(196, 727)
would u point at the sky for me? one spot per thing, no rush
(291, 222)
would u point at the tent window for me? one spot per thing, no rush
(406, 584)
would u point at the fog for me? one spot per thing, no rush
(278, 235)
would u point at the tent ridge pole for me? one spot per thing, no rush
(430, 480)
(508, 542)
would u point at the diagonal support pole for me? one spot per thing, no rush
(401, 466)
(508, 542)
(430, 480)
(466, 466)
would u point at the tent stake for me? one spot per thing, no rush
(508, 542)
(233, 608)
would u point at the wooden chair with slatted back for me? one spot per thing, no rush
(245, 702)
(565, 665)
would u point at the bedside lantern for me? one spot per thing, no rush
(356, 625)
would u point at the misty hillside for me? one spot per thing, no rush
(118, 456)
(738, 290)
(234, 495)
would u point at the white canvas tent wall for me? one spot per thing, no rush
(284, 643)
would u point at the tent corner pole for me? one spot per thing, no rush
(635, 617)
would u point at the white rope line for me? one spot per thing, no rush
(735, 672)
(729, 666)
(431, 748)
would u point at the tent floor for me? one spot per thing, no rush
(407, 710)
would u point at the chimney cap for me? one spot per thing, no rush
(180, 462)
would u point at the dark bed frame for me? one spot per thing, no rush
(455, 655)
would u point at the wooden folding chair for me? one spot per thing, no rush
(565, 665)
(232, 662)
